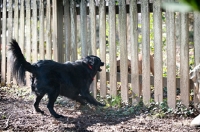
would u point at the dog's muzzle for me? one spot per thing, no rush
(102, 64)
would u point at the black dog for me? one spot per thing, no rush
(71, 79)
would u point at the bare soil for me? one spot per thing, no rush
(17, 114)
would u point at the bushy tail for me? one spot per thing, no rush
(18, 63)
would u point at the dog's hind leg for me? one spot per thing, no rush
(52, 98)
(37, 101)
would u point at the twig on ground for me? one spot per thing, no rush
(7, 122)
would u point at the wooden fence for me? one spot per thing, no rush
(67, 30)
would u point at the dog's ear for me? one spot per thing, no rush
(89, 60)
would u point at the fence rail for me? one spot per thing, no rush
(66, 30)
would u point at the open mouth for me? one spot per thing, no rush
(102, 64)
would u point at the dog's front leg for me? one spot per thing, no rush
(90, 99)
(80, 100)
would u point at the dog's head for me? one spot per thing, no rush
(93, 62)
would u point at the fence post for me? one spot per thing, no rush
(83, 28)
(41, 33)
(196, 43)
(158, 57)
(58, 30)
(10, 36)
(93, 45)
(112, 48)
(145, 51)
(34, 54)
(67, 29)
(16, 21)
(48, 31)
(123, 50)
(22, 26)
(102, 44)
(171, 59)
(3, 54)
(134, 51)
(73, 29)
(184, 71)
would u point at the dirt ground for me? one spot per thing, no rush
(17, 114)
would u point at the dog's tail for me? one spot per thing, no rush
(18, 63)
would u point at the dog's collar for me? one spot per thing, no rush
(90, 66)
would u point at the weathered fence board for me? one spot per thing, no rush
(196, 43)
(123, 50)
(48, 31)
(28, 36)
(184, 69)
(102, 44)
(67, 30)
(73, 30)
(57, 31)
(34, 32)
(22, 27)
(93, 40)
(41, 33)
(134, 51)
(112, 48)
(16, 20)
(9, 37)
(83, 28)
(145, 51)
(28, 31)
(3, 46)
(158, 56)
(171, 59)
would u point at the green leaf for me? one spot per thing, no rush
(173, 6)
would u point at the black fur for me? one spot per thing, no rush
(71, 79)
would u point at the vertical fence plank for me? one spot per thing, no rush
(9, 37)
(171, 59)
(112, 48)
(158, 60)
(145, 51)
(184, 76)
(58, 30)
(16, 25)
(134, 51)
(41, 33)
(22, 26)
(28, 37)
(102, 43)
(28, 31)
(67, 27)
(48, 31)
(93, 40)
(3, 51)
(196, 44)
(73, 30)
(123, 51)
(16, 20)
(83, 28)
(34, 55)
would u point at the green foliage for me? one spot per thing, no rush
(114, 107)
(183, 6)
(113, 101)
(194, 4)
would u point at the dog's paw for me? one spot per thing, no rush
(39, 111)
(100, 104)
(58, 116)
